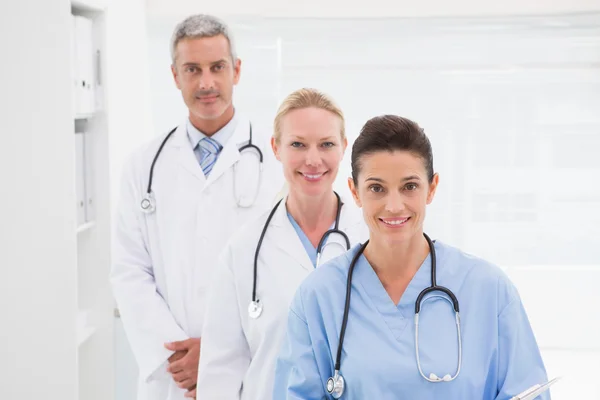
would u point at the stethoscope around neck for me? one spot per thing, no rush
(336, 384)
(148, 203)
(255, 308)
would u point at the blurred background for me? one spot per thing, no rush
(508, 92)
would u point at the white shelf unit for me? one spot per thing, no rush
(95, 359)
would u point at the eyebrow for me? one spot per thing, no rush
(323, 139)
(193, 64)
(408, 178)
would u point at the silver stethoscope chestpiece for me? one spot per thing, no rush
(148, 205)
(255, 309)
(335, 385)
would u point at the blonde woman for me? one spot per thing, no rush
(266, 260)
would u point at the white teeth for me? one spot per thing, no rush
(396, 222)
(313, 176)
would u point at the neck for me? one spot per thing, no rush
(398, 261)
(211, 126)
(312, 212)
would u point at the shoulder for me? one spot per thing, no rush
(261, 128)
(248, 234)
(142, 156)
(135, 170)
(477, 272)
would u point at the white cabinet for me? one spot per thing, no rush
(84, 176)
(94, 319)
(89, 172)
(80, 199)
(84, 66)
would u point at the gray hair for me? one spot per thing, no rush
(199, 26)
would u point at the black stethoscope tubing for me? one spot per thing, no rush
(320, 247)
(146, 203)
(337, 380)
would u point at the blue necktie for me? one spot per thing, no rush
(209, 150)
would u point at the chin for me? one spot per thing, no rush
(396, 238)
(316, 189)
(309, 190)
(210, 113)
(209, 116)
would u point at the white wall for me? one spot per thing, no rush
(130, 124)
(373, 8)
(38, 299)
(129, 108)
(511, 106)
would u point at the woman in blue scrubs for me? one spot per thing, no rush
(473, 340)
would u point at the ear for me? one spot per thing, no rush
(432, 188)
(237, 70)
(354, 191)
(275, 148)
(345, 144)
(175, 76)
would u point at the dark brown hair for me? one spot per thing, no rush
(390, 133)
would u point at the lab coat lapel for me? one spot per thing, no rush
(286, 238)
(230, 153)
(186, 157)
(178, 188)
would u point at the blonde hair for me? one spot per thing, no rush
(306, 98)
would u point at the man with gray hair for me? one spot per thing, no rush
(183, 195)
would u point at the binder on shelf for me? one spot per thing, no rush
(90, 204)
(80, 178)
(84, 60)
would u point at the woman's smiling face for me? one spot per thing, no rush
(393, 190)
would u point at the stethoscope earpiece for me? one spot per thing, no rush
(433, 377)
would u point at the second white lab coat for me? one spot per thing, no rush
(163, 262)
(237, 350)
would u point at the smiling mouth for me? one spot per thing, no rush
(395, 222)
(312, 177)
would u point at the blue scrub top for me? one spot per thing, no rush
(500, 355)
(308, 246)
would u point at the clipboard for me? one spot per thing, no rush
(534, 391)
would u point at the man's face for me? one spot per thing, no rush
(206, 74)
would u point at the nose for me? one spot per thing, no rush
(394, 203)
(313, 157)
(207, 81)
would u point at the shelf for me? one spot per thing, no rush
(85, 227)
(83, 116)
(89, 5)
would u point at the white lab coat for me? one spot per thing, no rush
(163, 262)
(237, 350)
